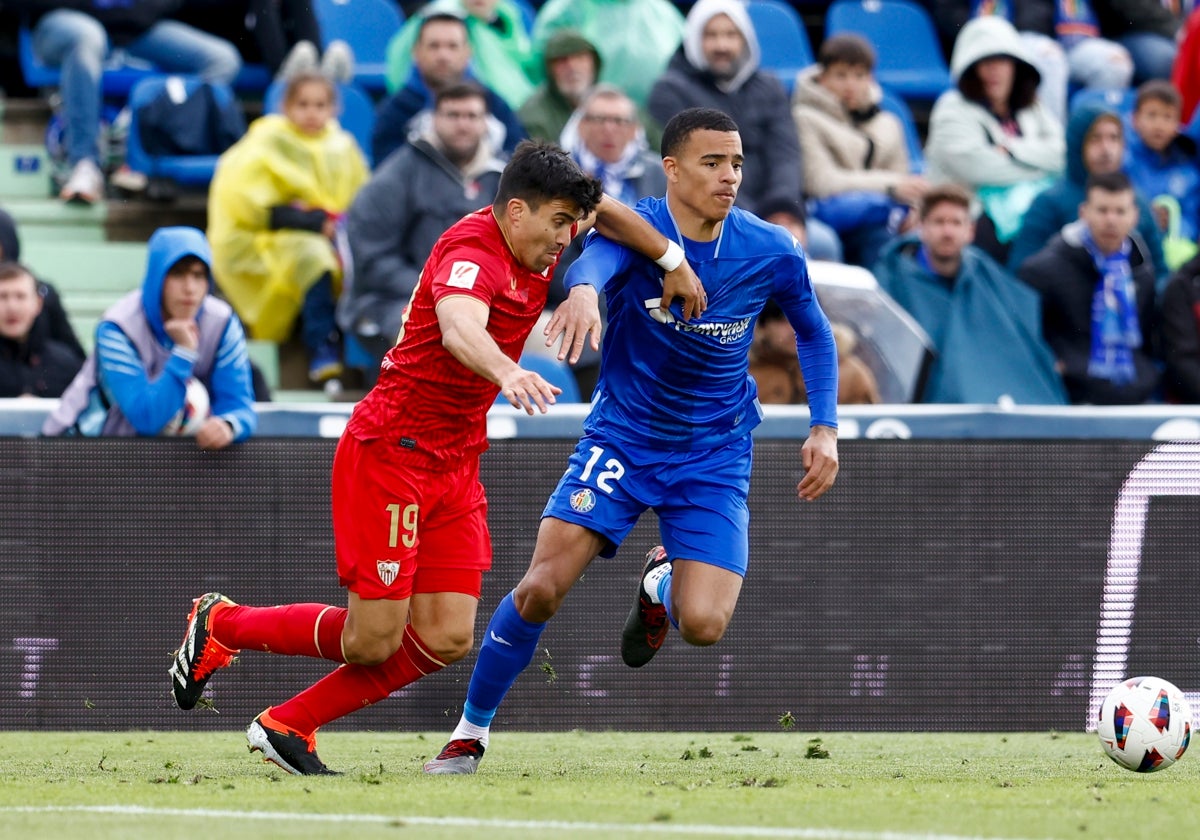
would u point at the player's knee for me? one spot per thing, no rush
(537, 597)
(368, 651)
(451, 646)
(702, 630)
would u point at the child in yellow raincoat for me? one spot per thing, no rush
(274, 206)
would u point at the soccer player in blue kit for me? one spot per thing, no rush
(670, 425)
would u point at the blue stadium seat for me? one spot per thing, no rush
(553, 371)
(118, 80)
(165, 171)
(357, 111)
(367, 26)
(912, 137)
(782, 38)
(910, 60)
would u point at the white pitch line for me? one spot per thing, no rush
(470, 822)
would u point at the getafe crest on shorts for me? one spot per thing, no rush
(583, 500)
(388, 569)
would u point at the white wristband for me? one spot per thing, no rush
(672, 258)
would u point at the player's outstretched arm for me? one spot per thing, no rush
(820, 459)
(463, 321)
(621, 224)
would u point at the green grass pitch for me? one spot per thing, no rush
(783, 784)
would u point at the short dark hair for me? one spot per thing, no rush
(439, 17)
(944, 194)
(1158, 90)
(847, 48)
(10, 270)
(461, 90)
(680, 127)
(186, 263)
(1113, 182)
(540, 172)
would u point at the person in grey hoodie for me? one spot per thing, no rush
(717, 66)
(990, 134)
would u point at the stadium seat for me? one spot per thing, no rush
(367, 26)
(165, 172)
(553, 371)
(909, 62)
(357, 111)
(912, 137)
(119, 77)
(116, 81)
(782, 38)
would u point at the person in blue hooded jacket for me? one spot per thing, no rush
(1095, 146)
(985, 324)
(155, 339)
(670, 425)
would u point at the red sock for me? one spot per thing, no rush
(352, 687)
(291, 629)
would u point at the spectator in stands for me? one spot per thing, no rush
(1180, 325)
(991, 134)
(56, 323)
(776, 369)
(1161, 163)
(501, 52)
(572, 65)
(32, 364)
(274, 212)
(635, 37)
(1062, 40)
(718, 67)
(856, 165)
(155, 339)
(432, 181)
(985, 325)
(78, 40)
(286, 35)
(605, 138)
(1098, 301)
(1149, 29)
(1095, 146)
(440, 56)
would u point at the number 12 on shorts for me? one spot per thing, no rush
(613, 470)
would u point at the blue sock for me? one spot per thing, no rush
(664, 597)
(500, 662)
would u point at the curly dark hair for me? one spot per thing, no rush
(541, 172)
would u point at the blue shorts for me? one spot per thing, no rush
(700, 497)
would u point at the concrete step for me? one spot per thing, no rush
(48, 219)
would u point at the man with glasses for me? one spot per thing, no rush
(608, 142)
(442, 173)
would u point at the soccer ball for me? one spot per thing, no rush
(196, 409)
(1145, 724)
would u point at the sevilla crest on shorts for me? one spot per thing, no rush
(388, 569)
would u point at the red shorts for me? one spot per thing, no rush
(401, 527)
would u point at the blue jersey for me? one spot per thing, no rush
(686, 385)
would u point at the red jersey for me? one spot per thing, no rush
(425, 399)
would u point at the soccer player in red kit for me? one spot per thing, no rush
(409, 512)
